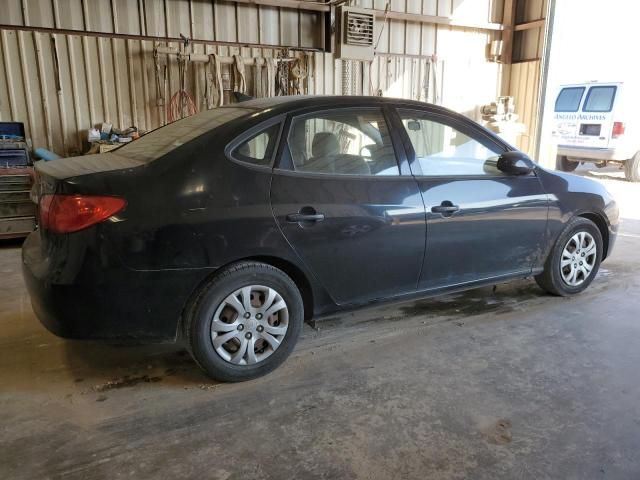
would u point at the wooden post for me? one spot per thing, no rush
(508, 25)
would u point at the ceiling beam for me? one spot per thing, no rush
(437, 20)
(126, 36)
(380, 14)
(294, 4)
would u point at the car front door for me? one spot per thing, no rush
(481, 223)
(339, 198)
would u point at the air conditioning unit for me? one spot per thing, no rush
(354, 33)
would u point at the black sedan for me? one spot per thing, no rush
(226, 230)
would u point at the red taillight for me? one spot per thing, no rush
(70, 213)
(618, 129)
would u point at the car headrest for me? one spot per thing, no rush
(325, 144)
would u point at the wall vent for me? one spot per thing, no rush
(354, 33)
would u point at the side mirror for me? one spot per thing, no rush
(515, 163)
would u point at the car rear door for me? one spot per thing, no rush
(339, 199)
(481, 223)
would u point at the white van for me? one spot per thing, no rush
(596, 122)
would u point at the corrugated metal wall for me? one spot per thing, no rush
(437, 63)
(524, 81)
(60, 85)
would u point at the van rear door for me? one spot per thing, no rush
(595, 121)
(566, 113)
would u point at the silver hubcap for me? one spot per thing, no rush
(249, 325)
(578, 258)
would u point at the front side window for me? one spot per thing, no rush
(569, 99)
(600, 99)
(342, 142)
(442, 150)
(258, 149)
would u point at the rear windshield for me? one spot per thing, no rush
(161, 141)
(569, 99)
(600, 99)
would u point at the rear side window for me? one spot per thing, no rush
(258, 149)
(569, 99)
(600, 99)
(163, 140)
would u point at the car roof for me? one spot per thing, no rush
(303, 101)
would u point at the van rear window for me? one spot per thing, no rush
(600, 99)
(569, 99)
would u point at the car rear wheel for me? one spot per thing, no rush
(632, 168)
(245, 322)
(565, 165)
(575, 259)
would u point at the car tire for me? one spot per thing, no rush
(632, 168)
(215, 316)
(557, 275)
(565, 165)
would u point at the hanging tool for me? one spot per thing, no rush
(181, 104)
(258, 89)
(298, 72)
(214, 93)
(272, 68)
(239, 78)
(282, 73)
(160, 66)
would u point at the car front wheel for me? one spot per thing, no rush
(245, 322)
(565, 165)
(574, 261)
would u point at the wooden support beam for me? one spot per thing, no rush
(529, 25)
(436, 20)
(152, 38)
(294, 4)
(508, 23)
(380, 14)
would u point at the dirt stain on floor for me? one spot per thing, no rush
(499, 432)
(125, 381)
(498, 300)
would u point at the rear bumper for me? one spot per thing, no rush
(597, 154)
(103, 300)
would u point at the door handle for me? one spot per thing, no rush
(446, 208)
(305, 217)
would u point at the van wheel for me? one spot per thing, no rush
(632, 168)
(245, 322)
(565, 165)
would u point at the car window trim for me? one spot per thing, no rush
(465, 127)
(252, 132)
(285, 161)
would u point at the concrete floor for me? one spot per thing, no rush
(483, 385)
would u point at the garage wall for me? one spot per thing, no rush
(62, 82)
(524, 82)
(433, 62)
